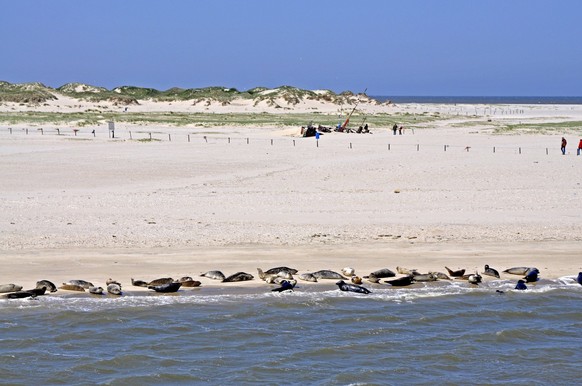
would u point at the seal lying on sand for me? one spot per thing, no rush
(532, 276)
(406, 271)
(114, 289)
(474, 279)
(37, 291)
(190, 283)
(266, 276)
(327, 274)
(348, 271)
(96, 290)
(400, 282)
(490, 271)
(440, 275)
(425, 277)
(277, 270)
(457, 273)
(308, 277)
(520, 270)
(356, 280)
(47, 284)
(111, 281)
(81, 283)
(352, 287)
(139, 283)
(20, 295)
(215, 275)
(375, 276)
(72, 287)
(166, 288)
(9, 288)
(163, 280)
(239, 276)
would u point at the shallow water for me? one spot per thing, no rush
(449, 333)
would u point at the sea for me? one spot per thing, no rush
(489, 100)
(447, 332)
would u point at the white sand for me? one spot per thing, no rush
(93, 208)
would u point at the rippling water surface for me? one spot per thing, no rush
(433, 334)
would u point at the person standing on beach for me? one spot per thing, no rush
(394, 128)
(564, 143)
(579, 147)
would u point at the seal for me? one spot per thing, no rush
(276, 270)
(239, 276)
(166, 288)
(343, 286)
(190, 283)
(215, 275)
(82, 283)
(424, 277)
(308, 277)
(474, 279)
(270, 276)
(356, 280)
(184, 279)
(327, 274)
(114, 289)
(348, 271)
(400, 282)
(163, 280)
(20, 295)
(139, 283)
(520, 285)
(532, 276)
(96, 290)
(72, 287)
(47, 284)
(4, 288)
(440, 275)
(457, 273)
(490, 271)
(37, 291)
(406, 271)
(381, 274)
(520, 270)
(111, 281)
(579, 278)
(285, 286)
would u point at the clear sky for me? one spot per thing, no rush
(403, 47)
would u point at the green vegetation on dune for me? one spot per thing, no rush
(541, 128)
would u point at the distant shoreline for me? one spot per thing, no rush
(510, 100)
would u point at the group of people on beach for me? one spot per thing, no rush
(564, 143)
(396, 128)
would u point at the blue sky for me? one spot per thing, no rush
(404, 47)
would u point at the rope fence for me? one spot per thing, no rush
(147, 136)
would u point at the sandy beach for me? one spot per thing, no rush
(92, 207)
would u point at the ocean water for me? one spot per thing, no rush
(438, 333)
(505, 100)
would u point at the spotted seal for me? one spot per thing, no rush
(424, 277)
(20, 295)
(474, 279)
(348, 271)
(96, 290)
(47, 284)
(520, 270)
(166, 288)
(161, 281)
(440, 275)
(215, 275)
(111, 281)
(343, 286)
(490, 271)
(72, 287)
(401, 282)
(356, 280)
(375, 276)
(286, 285)
(406, 271)
(4, 288)
(239, 276)
(139, 283)
(266, 276)
(190, 283)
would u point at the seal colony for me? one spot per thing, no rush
(284, 279)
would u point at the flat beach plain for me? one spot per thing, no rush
(235, 199)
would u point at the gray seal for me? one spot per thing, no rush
(214, 275)
(20, 295)
(490, 271)
(190, 283)
(269, 276)
(327, 274)
(139, 283)
(406, 271)
(474, 279)
(425, 277)
(440, 275)
(166, 288)
(47, 284)
(163, 280)
(400, 282)
(308, 277)
(114, 289)
(4, 288)
(375, 276)
(96, 290)
(111, 281)
(239, 276)
(343, 286)
(82, 283)
(277, 270)
(72, 287)
(520, 270)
